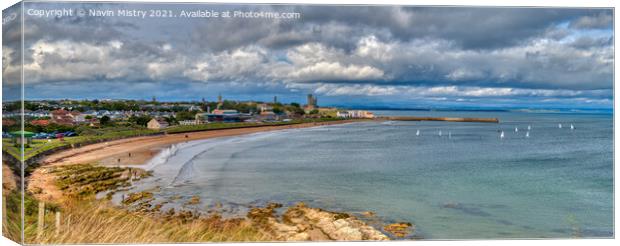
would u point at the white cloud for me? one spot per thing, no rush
(425, 67)
(68, 60)
(457, 92)
(355, 90)
(335, 71)
(371, 47)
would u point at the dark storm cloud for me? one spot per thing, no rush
(335, 50)
(470, 28)
(75, 28)
(589, 42)
(601, 20)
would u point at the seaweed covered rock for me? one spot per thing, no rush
(137, 196)
(84, 180)
(261, 216)
(400, 229)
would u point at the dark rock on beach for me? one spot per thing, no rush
(301, 223)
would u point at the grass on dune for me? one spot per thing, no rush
(85, 220)
(97, 222)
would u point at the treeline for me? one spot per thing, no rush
(137, 105)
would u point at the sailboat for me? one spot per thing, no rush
(560, 126)
(516, 129)
(417, 133)
(501, 135)
(529, 127)
(572, 127)
(440, 133)
(527, 134)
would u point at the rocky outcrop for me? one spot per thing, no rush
(301, 223)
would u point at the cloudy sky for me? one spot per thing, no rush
(353, 55)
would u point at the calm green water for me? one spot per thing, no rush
(467, 183)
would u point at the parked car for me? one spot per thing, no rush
(43, 135)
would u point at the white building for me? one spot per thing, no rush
(157, 124)
(355, 114)
(191, 122)
(264, 107)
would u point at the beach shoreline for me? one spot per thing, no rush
(139, 150)
(296, 224)
(136, 152)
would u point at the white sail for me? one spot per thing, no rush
(560, 126)
(572, 127)
(417, 133)
(440, 133)
(516, 129)
(501, 135)
(529, 127)
(527, 134)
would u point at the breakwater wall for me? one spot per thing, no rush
(452, 119)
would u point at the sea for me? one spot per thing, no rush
(549, 176)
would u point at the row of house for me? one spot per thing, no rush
(64, 117)
(29, 113)
(113, 114)
(126, 114)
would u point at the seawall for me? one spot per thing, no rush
(452, 119)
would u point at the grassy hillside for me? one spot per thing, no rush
(85, 220)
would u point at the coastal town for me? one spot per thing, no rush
(75, 116)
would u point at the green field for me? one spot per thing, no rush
(38, 146)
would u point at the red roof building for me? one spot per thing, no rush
(62, 117)
(40, 122)
(8, 122)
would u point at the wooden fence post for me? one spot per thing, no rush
(41, 220)
(68, 222)
(57, 223)
(4, 212)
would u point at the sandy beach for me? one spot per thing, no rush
(138, 150)
(133, 151)
(305, 223)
